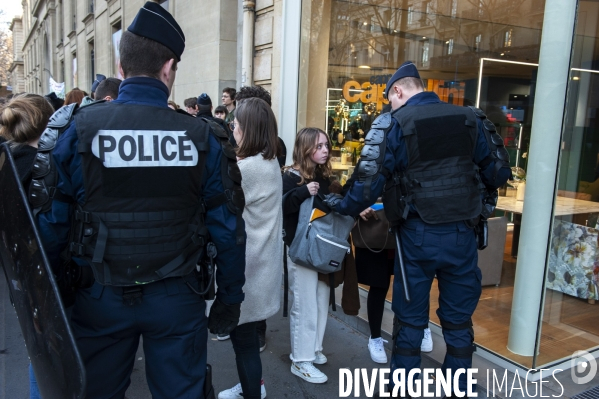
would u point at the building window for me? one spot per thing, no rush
(425, 53)
(454, 8)
(507, 38)
(410, 15)
(92, 60)
(62, 77)
(91, 6)
(477, 42)
(74, 14)
(449, 46)
(74, 79)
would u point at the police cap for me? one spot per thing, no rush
(155, 23)
(406, 70)
(99, 78)
(204, 99)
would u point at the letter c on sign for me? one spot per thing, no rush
(352, 84)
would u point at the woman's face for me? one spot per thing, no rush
(237, 132)
(220, 115)
(321, 154)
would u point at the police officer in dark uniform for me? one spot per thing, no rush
(435, 163)
(140, 191)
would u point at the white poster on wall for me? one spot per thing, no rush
(116, 41)
(57, 88)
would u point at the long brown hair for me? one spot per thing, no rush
(74, 96)
(24, 118)
(259, 126)
(305, 145)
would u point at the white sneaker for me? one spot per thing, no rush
(427, 341)
(308, 372)
(320, 358)
(237, 393)
(377, 350)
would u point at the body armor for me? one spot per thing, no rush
(441, 182)
(44, 178)
(143, 218)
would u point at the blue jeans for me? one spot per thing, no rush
(247, 355)
(34, 391)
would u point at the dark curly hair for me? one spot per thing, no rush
(253, 92)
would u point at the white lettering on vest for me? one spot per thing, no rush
(144, 148)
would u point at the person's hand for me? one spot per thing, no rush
(335, 187)
(313, 188)
(223, 318)
(331, 200)
(368, 213)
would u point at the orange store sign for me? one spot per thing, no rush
(451, 92)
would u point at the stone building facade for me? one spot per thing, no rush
(72, 40)
(17, 68)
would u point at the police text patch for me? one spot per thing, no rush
(144, 148)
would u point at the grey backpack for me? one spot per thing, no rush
(322, 244)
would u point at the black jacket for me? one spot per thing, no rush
(24, 155)
(292, 202)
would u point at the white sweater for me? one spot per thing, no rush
(262, 186)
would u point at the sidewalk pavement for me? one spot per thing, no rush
(344, 346)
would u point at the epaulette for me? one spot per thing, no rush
(62, 117)
(478, 112)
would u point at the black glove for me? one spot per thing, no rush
(223, 318)
(331, 200)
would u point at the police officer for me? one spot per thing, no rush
(430, 158)
(132, 176)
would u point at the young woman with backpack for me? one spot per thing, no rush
(307, 176)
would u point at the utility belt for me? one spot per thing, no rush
(74, 276)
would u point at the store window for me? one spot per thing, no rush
(570, 320)
(350, 48)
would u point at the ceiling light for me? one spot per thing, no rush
(447, 42)
(424, 37)
(575, 78)
(502, 54)
(394, 30)
(364, 67)
(365, 23)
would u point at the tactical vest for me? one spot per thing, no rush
(143, 217)
(441, 181)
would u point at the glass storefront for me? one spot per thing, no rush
(483, 53)
(570, 319)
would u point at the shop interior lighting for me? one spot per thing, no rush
(575, 78)
(585, 70)
(364, 67)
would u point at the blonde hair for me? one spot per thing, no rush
(305, 145)
(24, 118)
